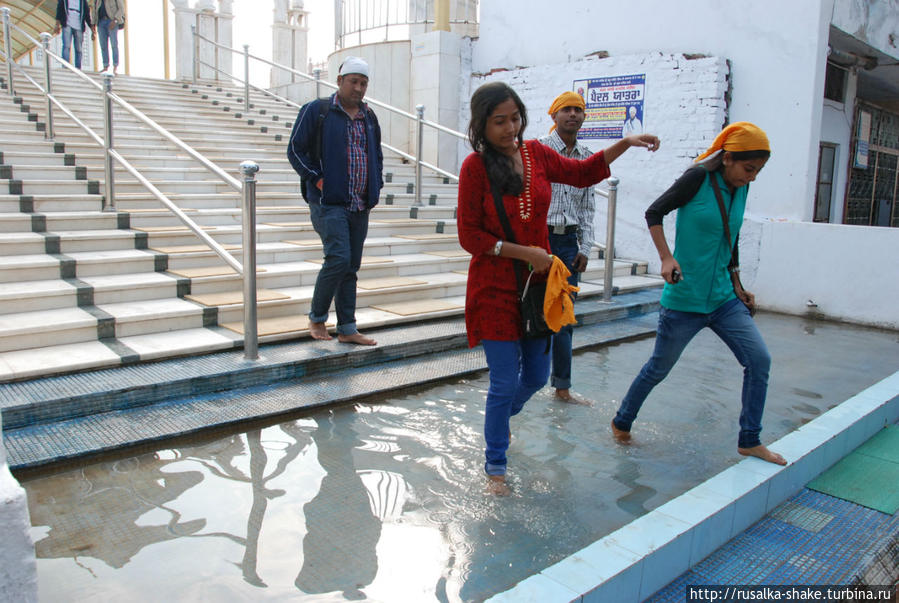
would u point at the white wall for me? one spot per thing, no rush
(850, 277)
(777, 53)
(684, 106)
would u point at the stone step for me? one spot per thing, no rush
(39, 364)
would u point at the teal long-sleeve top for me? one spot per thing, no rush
(700, 246)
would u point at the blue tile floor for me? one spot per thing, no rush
(812, 539)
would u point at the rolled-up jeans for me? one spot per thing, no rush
(108, 31)
(72, 36)
(733, 324)
(518, 369)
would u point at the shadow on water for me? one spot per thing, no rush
(384, 500)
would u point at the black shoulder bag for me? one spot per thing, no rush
(734, 266)
(530, 295)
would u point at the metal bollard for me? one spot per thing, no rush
(193, 35)
(248, 210)
(420, 110)
(108, 166)
(7, 46)
(317, 74)
(45, 42)
(610, 240)
(246, 78)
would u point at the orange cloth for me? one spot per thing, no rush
(741, 136)
(566, 99)
(558, 307)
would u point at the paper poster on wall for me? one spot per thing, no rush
(862, 137)
(614, 106)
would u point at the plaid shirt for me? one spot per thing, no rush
(571, 205)
(357, 157)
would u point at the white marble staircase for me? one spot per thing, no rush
(83, 288)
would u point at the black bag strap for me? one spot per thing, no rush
(507, 228)
(724, 218)
(324, 105)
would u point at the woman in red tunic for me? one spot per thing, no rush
(522, 172)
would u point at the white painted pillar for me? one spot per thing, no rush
(185, 18)
(18, 567)
(225, 35)
(290, 31)
(435, 76)
(207, 27)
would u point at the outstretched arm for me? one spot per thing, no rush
(649, 141)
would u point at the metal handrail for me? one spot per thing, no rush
(611, 194)
(248, 168)
(418, 118)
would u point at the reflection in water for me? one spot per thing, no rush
(385, 501)
(95, 511)
(632, 503)
(339, 549)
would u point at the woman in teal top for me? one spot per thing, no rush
(698, 288)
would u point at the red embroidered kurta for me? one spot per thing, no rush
(491, 300)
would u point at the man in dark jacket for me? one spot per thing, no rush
(73, 17)
(336, 150)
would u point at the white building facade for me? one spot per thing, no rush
(706, 63)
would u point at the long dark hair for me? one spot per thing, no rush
(499, 167)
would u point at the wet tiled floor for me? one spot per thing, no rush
(383, 499)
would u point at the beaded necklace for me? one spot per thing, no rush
(525, 203)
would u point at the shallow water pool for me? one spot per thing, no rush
(384, 499)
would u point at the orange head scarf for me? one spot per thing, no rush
(740, 136)
(566, 99)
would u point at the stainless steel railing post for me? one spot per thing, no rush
(196, 40)
(7, 46)
(420, 111)
(317, 74)
(246, 78)
(610, 240)
(248, 209)
(45, 43)
(108, 165)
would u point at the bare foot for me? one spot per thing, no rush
(356, 338)
(496, 485)
(763, 453)
(621, 436)
(319, 331)
(565, 395)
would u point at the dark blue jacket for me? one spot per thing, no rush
(332, 165)
(62, 14)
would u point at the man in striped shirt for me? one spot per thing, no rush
(570, 223)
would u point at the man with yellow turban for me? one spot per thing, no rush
(702, 285)
(570, 223)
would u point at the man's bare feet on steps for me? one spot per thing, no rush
(318, 330)
(357, 338)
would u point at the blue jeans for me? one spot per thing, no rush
(343, 234)
(732, 323)
(564, 247)
(108, 31)
(69, 35)
(518, 369)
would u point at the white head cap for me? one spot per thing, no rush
(354, 65)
